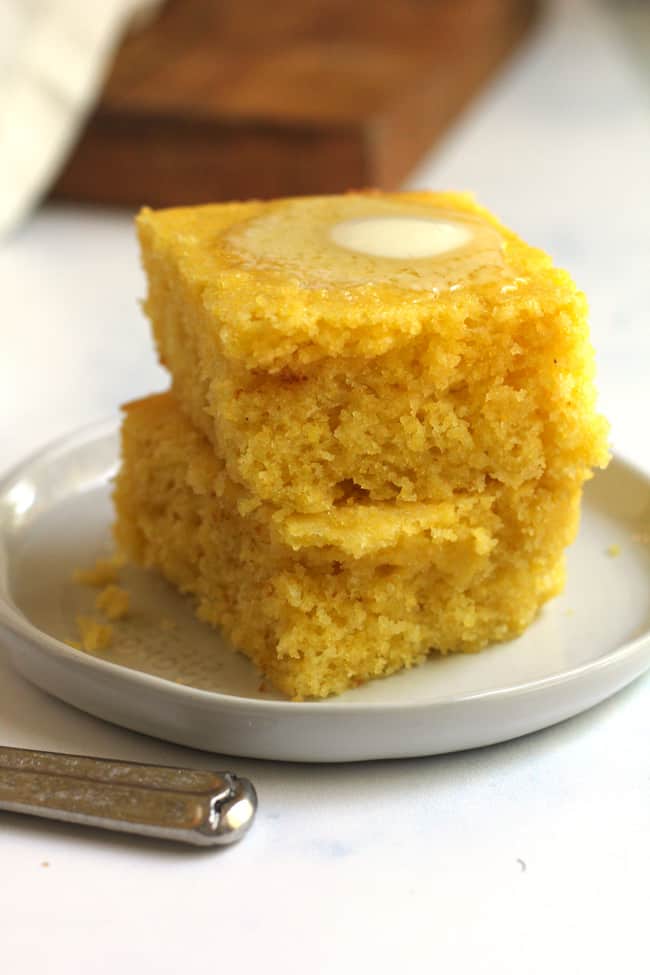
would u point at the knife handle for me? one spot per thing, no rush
(194, 806)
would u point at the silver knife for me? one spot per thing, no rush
(194, 806)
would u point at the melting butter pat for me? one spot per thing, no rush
(401, 237)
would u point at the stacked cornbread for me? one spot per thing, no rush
(381, 418)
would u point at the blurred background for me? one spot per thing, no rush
(192, 100)
(541, 107)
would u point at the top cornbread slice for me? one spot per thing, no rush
(325, 377)
(274, 313)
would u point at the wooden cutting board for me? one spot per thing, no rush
(227, 99)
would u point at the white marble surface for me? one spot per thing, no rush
(528, 857)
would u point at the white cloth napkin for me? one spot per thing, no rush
(53, 58)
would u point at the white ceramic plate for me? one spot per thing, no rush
(178, 681)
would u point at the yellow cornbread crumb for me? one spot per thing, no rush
(613, 550)
(103, 572)
(113, 602)
(94, 635)
(361, 459)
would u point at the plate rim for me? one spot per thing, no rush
(21, 626)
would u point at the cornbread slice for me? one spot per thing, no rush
(323, 601)
(325, 371)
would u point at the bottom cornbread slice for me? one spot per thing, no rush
(324, 602)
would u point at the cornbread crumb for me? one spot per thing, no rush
(94, 634)
(167, 624)
(113, 602)
(613, 551)
(103, 572)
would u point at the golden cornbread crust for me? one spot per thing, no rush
(361, 459)
(321, 603)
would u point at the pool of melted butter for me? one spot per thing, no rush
(321, 243)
